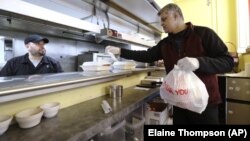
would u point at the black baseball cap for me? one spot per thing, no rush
(35, 39)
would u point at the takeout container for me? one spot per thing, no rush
(4, 123)
(124, 65)
(29, 118)
(50, 109)
(96, 66)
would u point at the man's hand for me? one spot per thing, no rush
(188, 63)
(112, 49)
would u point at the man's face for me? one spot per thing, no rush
(36, 49)
(168, 21)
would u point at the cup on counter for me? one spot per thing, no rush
(116, 91)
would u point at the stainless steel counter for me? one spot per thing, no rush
(82, 121)
(12, 88)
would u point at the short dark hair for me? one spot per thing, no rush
(171, 7)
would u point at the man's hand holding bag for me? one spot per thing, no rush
(182, 88)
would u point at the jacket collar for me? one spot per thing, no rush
(25, 59)
(184, 33)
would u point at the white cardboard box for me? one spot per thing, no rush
(156, 113)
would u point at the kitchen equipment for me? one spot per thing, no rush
(147, 86)
(109, 32)
(116, 91)
(102, 57)
(151, 81)
(29, 118)
(238, 100)
(157, 78)
(50, 109)
(4, 123)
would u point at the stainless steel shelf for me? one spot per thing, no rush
(17, 9)
(13, 88)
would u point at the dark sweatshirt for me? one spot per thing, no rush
(195, 41)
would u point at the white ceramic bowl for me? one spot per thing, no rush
(29, 118)
(50, 109)
(4, 123)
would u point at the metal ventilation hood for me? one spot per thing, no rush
(143, 11)
(23, 16)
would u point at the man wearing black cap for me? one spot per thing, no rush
(33, 62)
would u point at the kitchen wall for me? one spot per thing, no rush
(220, 15)
(61, 49)
(244, 58)
(227, 23)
